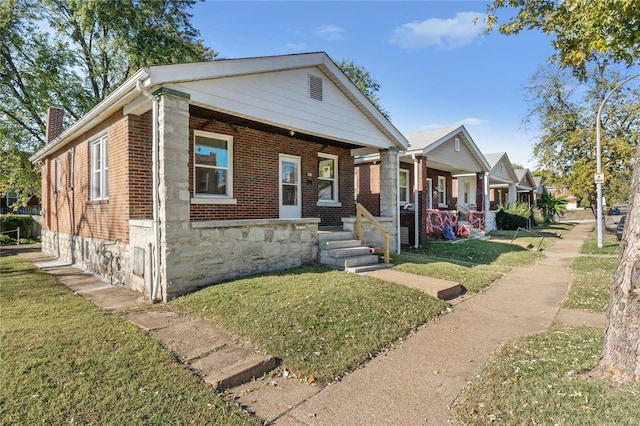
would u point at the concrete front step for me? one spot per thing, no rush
(345, 262)
(368, 268)
(347, 252)
(334, 235)
(334, 244)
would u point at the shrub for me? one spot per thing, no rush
(9, 222)
(513, 216)
(552, 206)
(6, 240)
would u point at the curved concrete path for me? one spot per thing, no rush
(415, 383)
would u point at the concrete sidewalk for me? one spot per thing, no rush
(416, 383)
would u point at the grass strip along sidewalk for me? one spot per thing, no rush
(63, 360)
(539, 379)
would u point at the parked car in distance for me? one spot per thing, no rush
(620, 228)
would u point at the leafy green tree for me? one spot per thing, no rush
(587, 32)
(565, 110)
(582, 31)
(72, 54)
(552, 206)
(363, 81)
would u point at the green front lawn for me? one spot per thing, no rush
(64, 361)
(319, 322)
(536, 380)
(476, 264)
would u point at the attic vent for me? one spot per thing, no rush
(315, 87)
(456, 144)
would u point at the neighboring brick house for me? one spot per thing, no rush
(450, 172)
(249, 157)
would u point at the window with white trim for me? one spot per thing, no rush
(213, 165)
(328, 178)
(442, 191)
(404, 187)
(99, 169)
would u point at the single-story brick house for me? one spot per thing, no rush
(190, 174)
(442, 169)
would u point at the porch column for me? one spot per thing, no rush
(173, 186)
(511, 195)
(389, 193)
(487, 202)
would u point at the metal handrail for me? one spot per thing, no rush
(531, 232)
(362, 211)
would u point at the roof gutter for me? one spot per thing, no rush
(106, 106)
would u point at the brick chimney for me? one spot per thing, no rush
(55, 116)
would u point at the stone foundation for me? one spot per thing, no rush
(220, 250)
(215, 251)
(108, 259)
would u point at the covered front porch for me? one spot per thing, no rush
(446, 179)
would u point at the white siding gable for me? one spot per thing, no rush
(501, 171)
(282, 98)
(461, 161)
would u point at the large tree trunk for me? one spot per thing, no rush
(620, 359)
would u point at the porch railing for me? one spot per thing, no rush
(361, 211)
(474, 217)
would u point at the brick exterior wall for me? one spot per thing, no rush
(255, 175)
(369, 187)
(71, 210)
(140, 166)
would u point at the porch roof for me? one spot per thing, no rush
(375, 130)
(448, 149)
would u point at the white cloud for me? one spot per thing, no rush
(443, 33)
(472, 121)
(330, 32)
(298, 47)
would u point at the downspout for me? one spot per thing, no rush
(398, 202)
(154, 170)
(416, 204)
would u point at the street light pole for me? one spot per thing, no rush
(599, 159)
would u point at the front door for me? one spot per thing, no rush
(429, 197)
(290, 196)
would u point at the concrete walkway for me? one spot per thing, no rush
(214, 354)
(411, 384)
(416, 383)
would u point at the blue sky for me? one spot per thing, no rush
(436, 69)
